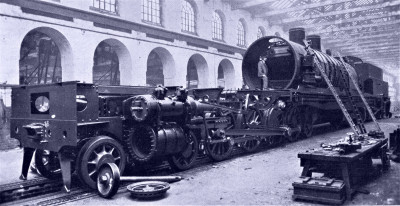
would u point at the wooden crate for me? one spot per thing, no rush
(320, 189)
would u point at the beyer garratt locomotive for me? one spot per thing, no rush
(78, 127)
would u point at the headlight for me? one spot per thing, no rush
(281, 104)
(42, 104)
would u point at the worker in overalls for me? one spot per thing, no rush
(263, 72)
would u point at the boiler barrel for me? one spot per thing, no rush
(285, 64)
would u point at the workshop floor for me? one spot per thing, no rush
(263, 178)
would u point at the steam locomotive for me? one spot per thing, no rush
(73, 126)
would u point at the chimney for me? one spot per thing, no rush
(297, 35)
(315, 41)
(328, 52)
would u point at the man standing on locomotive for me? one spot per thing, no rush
(263, 72)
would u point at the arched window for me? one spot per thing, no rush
(260, 32)
(241, 33)
(151, 11)
(188, 17)
(105, 5)
(217, 26)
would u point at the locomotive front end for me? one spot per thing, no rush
(45, 119)
(45, 116)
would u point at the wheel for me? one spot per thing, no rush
(220, 150)
(186, 158)
(307, 123)
(48, 164)
(148, 189)
(254, 117)
(251, 145)
(96, 152)
(293, 120)
(108, 180)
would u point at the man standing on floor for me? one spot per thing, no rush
(263, 72)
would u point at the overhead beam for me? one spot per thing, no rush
(304, 7)
(249, 4)
(319, 31)
(334, 13)
(361, 18)
(367, 44)
(356, 31)
(394, 35)
(329, 2)
(383, 49)
(362, 35)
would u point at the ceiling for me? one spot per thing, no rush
(368, 29)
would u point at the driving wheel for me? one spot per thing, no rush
(220, 150)
(96, 152)
(48, 164)
(251, 145)
(307, 123)
(293, 119)
(186, 158)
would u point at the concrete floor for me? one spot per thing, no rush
(263, 178)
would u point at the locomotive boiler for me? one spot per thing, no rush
(289, 64)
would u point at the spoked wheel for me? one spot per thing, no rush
(307, 123)
(148, 189)
(186, 158)
(293, 119)
(96, 152)
(251, 145)
(48, 164)
(219, 151)
(254, 117)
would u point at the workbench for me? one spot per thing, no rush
(330, 161)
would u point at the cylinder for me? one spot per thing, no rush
(170, 140)
(148, 108)
(297, 35)
(149, 142)
(315, 41)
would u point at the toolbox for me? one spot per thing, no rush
(320, 189)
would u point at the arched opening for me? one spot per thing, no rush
(43, 55)
(160, 68)
(260, 32)
(111, 63)
(197, 72)
(226, 74)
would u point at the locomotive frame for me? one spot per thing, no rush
(78, 126)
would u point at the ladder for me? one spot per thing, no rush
(360, 93)
(357, 131)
